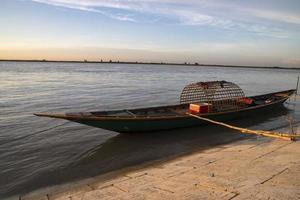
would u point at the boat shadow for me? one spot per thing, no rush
(135, 148)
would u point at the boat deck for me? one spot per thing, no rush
(182, 109)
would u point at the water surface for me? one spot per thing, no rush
(37, 152)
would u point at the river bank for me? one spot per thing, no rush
(247, 169)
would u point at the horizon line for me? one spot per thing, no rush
(149, 63)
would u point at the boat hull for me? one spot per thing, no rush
(169, 117)
(151, 124)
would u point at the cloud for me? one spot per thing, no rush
(91, 6)
(188, 17)
(218, 14)
(275, 16)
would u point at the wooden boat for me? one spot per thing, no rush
(223, 96)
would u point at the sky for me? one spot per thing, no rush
(230, 32)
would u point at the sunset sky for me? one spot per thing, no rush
(238, 32)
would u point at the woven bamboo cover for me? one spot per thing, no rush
(222, 95)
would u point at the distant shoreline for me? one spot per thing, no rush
(153, 63)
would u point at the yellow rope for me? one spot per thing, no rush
(244, 130)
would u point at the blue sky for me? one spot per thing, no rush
(238, 32)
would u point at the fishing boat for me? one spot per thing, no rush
(216, 100)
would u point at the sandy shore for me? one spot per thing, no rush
(247, 169)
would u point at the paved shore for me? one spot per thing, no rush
(247, 169)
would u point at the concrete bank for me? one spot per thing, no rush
(248, 169)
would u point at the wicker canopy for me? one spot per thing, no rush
(222, 95)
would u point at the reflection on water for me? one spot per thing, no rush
(37, 152)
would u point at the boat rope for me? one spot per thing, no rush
(273, 134)
(38, 132)
(130, 113)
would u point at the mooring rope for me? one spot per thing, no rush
(249, 131)
(35, 133)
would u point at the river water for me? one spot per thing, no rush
(38, 152)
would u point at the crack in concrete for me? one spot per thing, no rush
(120, 188)
(177, 174)
(105, 186)
(274, 175)
(271, 151)
(144, 174)
(165, 190)
(255, 145)
(235, 195)
(212, 161)
(218, 188)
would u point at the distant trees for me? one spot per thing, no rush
(136, 62)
